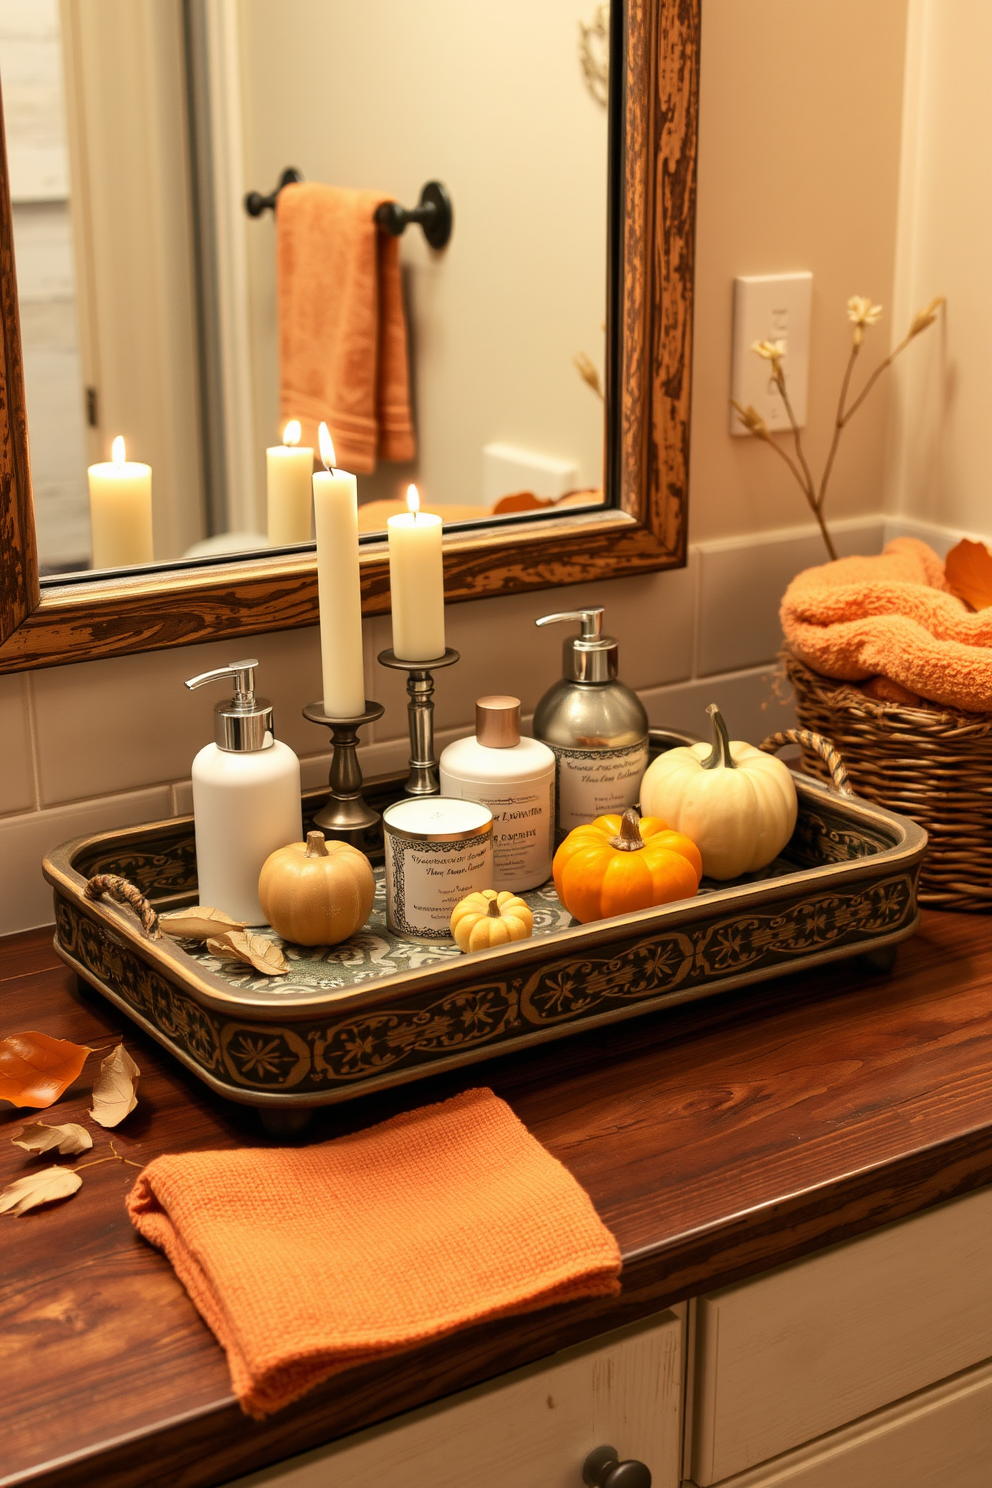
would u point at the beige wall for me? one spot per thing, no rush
(798, 169)
(940, 449)
(488, 98)
(800, 119)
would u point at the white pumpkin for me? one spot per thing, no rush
(737, 804)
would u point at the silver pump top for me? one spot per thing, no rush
(241, 722)
(590, 656)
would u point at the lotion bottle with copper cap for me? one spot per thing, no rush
(515, 778)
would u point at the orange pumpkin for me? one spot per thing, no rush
(618, 864)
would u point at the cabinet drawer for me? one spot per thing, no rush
(943, 1436)
(532, 1429)
(804, 1349)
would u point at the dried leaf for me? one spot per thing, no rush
(38, 1188)
(67, 1139)
(198, 922)
(968, 570)
(114, 1092)
(255, 950)
(36, 1069)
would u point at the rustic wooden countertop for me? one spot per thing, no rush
(716, 1140)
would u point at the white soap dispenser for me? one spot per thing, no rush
(515, 778)
(246, 797)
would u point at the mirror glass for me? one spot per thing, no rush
(169, 336)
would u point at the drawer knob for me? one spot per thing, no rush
(603, 1469)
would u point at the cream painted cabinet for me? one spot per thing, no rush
(530, 1429)
(938, 1438)
(787, 1357)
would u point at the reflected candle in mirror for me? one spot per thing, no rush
(416, 582)
(339, 592)
(288, 472)
(120, 511)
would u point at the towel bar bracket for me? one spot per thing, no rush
(256, 203)
(433, 213)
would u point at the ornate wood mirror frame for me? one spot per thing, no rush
(652, 214)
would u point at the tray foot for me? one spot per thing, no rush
(882, 961)
(289, 1123)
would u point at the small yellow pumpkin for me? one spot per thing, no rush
(617, 864)
(489, 919)
(316, 892)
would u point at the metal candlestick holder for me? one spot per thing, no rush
(347, 815)
(423, 778)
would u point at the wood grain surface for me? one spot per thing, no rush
(716, 1140)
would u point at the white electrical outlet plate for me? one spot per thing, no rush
(506, 470)
(771, 307)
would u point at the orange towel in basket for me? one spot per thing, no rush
(891, 616)
(307, 1261)
(342, 326)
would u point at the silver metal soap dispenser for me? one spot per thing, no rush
(596, 726)
(246, 796)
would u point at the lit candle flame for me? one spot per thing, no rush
(413, 500)
(117, 453)
(291, 433)
(326, 446)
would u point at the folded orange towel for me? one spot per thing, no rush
(892, 616)
(342, 328)
(307, 1261)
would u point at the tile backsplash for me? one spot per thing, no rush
(108, 743)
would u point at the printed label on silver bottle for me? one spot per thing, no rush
(523, 831)
(425, 880)
(597, 782)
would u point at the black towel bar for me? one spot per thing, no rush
(256, 203)
(433, 212)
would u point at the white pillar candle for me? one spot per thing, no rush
(335, 506)
(416, 582)
(289, 470)
(120, 511)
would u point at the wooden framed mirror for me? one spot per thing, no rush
(640, 526)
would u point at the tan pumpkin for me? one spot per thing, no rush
(490, 919)
(316, 892)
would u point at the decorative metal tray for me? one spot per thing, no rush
(380, 1011)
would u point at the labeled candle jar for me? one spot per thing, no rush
(437, 851)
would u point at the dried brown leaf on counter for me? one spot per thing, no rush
(35, 1069)
(198, 922)
(968, 570)
(114, 1094)
(42, 1187)
(67, 1139)
(254, 950)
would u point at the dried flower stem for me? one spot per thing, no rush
(863, 313)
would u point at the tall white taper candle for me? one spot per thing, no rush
(335, 505)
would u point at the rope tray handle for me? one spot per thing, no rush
(821, 746)
(125, 893)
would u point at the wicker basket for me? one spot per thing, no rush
(932, 764)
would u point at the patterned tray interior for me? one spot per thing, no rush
(163, 864)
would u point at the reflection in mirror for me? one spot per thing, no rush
(157, 310)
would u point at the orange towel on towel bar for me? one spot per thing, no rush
(342, 326)
(891, 616)
(309, 1260)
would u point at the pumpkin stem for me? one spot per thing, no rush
(720, 756)
(494, 909)
(630, 839)
(315, 846)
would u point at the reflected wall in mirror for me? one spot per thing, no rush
(156, 311)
